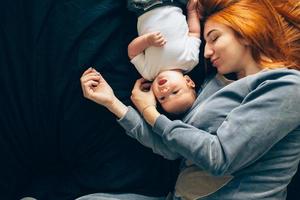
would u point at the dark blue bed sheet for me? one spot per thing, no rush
(54, 144)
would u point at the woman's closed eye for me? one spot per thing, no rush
(214, 37)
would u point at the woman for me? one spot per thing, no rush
(247, 132)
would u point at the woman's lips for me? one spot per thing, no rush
(214, 62)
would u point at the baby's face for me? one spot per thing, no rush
(174, 91)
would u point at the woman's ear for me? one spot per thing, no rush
(244, 42)
(189, 81)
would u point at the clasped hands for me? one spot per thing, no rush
(95, 88)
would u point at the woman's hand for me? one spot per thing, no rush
(141, 96)
(95, 88)
(144, 100)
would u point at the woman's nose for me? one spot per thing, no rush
(208, 51)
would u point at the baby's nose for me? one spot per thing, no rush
(162, 81)
(164, 90)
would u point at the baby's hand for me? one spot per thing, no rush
(195, 6)
(192, 5)
(156, 39)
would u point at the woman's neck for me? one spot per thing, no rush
(251, 67)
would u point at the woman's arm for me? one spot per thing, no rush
(265, 115)
(137, 128)
(145, 101)
(95, 88)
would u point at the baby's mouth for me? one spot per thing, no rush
(162, 81)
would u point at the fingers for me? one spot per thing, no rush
(145, 86)
(138, 84)
(140, 97)
(141, 85)
(160, 42)
(87, 88)
(89, 70)
(90, 84)
(101, 79)
(89, 80)
(158, 36)
(158, 39)
(91, 76)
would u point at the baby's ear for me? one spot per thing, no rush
(189, 81)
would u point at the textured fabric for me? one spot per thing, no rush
(137, 128)
(54, 143)
(107, 196)
(181, 50)
(193, 183)
(248, 129)
(142, 6)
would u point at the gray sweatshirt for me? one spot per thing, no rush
(249, 129)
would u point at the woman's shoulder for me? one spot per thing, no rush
(275, 75)
(269, 79)
(284, 81)
(280, 72)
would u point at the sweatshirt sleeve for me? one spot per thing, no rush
(267, 113)
(137, 128)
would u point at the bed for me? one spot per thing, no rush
(55, 144)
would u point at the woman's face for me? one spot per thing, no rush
(227, 52)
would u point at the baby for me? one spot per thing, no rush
(167, 47)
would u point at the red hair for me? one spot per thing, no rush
(270, 27)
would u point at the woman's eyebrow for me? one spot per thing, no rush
(210, 33)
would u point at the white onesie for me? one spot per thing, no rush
(181, 50)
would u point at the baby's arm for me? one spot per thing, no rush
(193, 19)
(139, 44)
